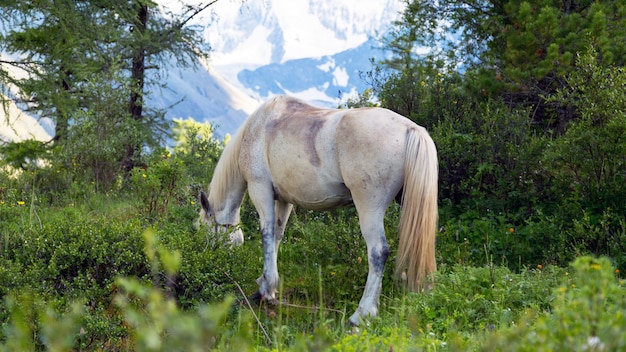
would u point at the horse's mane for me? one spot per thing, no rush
(227, 169)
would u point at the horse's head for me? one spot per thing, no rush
(207, 217)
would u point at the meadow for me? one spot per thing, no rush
(108, 272)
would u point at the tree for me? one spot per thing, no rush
(525, 101)
(43, 36)
(589, 159)
(63, 44)
(153, 39)
(519, 51)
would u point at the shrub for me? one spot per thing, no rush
(152, 319)
(159, 184)
(589, 313)
(60, 256)
(588, 161)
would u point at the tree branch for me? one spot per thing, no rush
(195, 12)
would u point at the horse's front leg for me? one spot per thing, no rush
(268, 281)
(263, 200)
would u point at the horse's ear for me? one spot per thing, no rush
(204, 201)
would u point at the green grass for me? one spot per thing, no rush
(98, 275)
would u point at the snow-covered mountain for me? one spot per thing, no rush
(202, 94)
(16, 124)
(313, 49)
(325, 80)
(309, 48)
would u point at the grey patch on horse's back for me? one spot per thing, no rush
(298, 105)
(302, 120)
(311, 135)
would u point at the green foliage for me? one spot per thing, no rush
(58, 332)
(589, 312)
(90, 277)
(98, 135)
(472, 300)
(65, 254)
(588, 160)
(159, 183)
(158, 324)
(197, 148)
(152, 318)
(362, 100)
(23, 155)
(174, 178)
(541, 168)
(517, 51)
(87, 72)
(488, 159)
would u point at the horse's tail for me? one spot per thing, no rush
(418, 219)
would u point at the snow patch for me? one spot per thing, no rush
(16, 125)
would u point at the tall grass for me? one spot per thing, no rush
(90, 276)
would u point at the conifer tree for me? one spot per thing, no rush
(63, 45)
(520, 51)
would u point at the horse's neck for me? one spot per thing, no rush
(226, 210)
(228, 185)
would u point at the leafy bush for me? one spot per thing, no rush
(175, 177)
(152, 319)
(474, 300)
(71, 254)
(589, 313)
(164, 304)
(158, 184)
(197, 148)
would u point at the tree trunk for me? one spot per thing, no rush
(61, 125)
(135, 106)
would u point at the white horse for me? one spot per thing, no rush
(288, 152)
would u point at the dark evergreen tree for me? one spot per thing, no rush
(63, 45)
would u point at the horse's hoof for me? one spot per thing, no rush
(256, 298)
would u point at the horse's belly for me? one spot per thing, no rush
(316, 196)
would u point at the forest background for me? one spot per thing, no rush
(526, 102)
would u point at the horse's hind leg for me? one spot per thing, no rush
(282, 210)
(373, 231)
